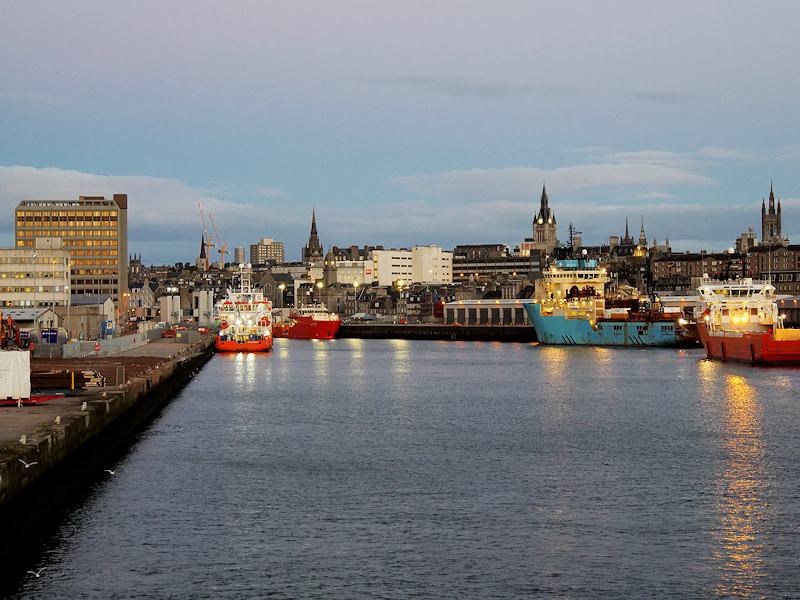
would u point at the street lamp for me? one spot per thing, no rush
(282, 287)
(355, 297)
(69, 306)
(34, 290)
(54, 286)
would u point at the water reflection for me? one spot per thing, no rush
(743, 485)
(245, 371)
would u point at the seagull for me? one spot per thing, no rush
(110, 471)
(28, 465)
(37, 573)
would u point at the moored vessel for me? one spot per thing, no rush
(739, 320)
(309, 322)
(570, 309)
(245, 318)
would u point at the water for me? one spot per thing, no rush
(403, 469)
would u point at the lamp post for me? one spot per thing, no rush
(355, 297)
(282, 287)
(69, 306)
(319, 292)
(34, 291)
(54, 286)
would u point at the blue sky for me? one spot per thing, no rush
(403, 123)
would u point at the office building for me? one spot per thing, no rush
(95, 232)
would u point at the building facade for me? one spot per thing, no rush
(94, 231)
(35, 276)
(429, 264)
(266, 250)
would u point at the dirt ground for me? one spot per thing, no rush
(115, 369)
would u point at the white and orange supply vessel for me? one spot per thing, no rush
(309, 322)
(739, 320)
(245, 318)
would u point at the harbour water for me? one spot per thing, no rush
(398, 469)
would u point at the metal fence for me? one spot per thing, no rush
(102, 347)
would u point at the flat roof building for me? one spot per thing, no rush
(94, 231)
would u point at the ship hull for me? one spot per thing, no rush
(229, 345)
(559, 330)
(749, 347)
(307, 328)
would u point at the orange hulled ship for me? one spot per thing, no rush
(245, 318)
(739, 321)
(312, 322)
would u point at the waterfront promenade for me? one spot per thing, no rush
(66, 439)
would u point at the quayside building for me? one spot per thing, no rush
(94, 230)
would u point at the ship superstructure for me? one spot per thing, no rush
(570, 309)
(245, 317)
(739, 320)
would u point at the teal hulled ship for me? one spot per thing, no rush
(570, 309)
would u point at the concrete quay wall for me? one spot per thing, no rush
(69, 453)
(464, 333)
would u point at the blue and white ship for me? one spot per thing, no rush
(570, 309)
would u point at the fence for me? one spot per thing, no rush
(107, 347)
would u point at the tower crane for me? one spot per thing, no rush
(222, 251)
(208, 238)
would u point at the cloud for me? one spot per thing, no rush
(163, 214)
(267, 192)
(519, 183)
(31, 98)
(664, 97)
(475, 85)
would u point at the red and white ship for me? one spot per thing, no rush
(245, 318)
(312, 322)
(739, 321)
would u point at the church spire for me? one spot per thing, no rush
(313, 252)
(202, 246)
(771, 199)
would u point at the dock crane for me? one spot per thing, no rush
(208, 238)
(222, 251)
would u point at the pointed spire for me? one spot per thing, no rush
(313, 222)
(202, 246)
(544, 193)
(771, 199)
(627, 235)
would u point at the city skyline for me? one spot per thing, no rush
(402, 126)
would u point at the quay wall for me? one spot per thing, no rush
(70, 453)
(464, 333)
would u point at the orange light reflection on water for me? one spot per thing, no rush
(742, 487)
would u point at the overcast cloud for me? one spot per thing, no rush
(403, 124)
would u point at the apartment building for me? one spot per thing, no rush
(266, 250)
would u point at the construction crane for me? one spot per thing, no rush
(222, 251)
(208, 238)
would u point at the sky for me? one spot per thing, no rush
(405, 123)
